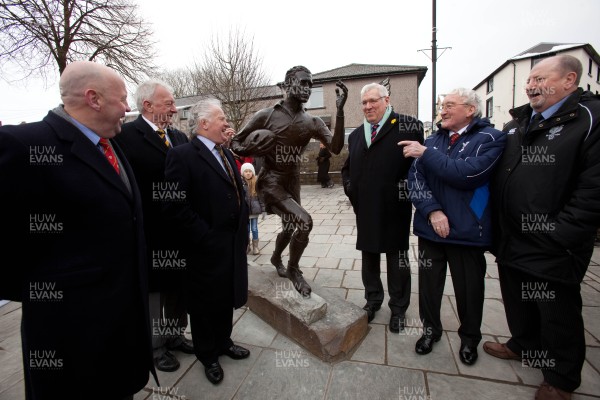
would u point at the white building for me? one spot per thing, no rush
(504, 89)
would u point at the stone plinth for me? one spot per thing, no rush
(326, 325)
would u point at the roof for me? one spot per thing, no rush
(365, 70)
(541, 50)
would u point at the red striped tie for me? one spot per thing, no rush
(453, 138)
(374, 132)
(110, 155)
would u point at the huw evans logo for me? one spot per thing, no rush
(44, 360)
(44, 223)
(44, 155)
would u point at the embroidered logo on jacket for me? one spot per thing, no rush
(463, 147)
(554, 132)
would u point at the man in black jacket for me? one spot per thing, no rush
(212, 225)
(72, 199)
(547, 212)
(145, 142)
(374, 176)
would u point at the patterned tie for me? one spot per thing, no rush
(110, 155)
(163, 136)
(374, 132)
(453, 138)
(229, 170)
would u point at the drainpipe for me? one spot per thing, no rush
(514, 83)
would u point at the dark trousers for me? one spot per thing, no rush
(467, 267)
(546, 325)
(169, 320)
(211, 326)
(398, 280)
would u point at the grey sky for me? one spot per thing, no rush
(323, 34)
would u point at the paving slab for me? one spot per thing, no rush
(250, 329)
(591, 317)
(329, 277)
(351, 380)
(449, 387)
(278, 374)
(372, 348)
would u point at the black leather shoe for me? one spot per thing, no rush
(186, 346)
(371, 309)
(425, 344)
(397, 322)
(237, 352)
(214, 373)
(166, 362)
(468, 354)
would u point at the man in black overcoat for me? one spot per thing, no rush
(374, 177)
(71, 198)
(145, 142)
(211, 220)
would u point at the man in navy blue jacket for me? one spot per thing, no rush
(448, 185)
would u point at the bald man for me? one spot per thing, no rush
(547, 211)
(74, 203)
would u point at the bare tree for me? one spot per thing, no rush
(39, 35)
(232, 72)
(181, 80)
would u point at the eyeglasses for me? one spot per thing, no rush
(371, 102)
(450, 106)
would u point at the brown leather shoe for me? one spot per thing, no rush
(499, 350)
(548, 392)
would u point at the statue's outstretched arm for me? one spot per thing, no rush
(341, 93)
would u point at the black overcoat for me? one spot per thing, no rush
(83, 278)
(374, 179)
(146, 153)
(211, 225)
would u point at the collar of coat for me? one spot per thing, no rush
(570, 105)
(474, 126)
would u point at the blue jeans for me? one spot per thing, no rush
(253, 227)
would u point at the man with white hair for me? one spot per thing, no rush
(374, 176)
(145, 142)
(449, 187)
(211, 219)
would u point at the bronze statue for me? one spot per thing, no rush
(280, 135)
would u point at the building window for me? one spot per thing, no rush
(489, 107)
(490, 85)
(598, 75)
(590, 65)
(316, 98)
(589, 87)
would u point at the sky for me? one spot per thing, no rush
(325, 34)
